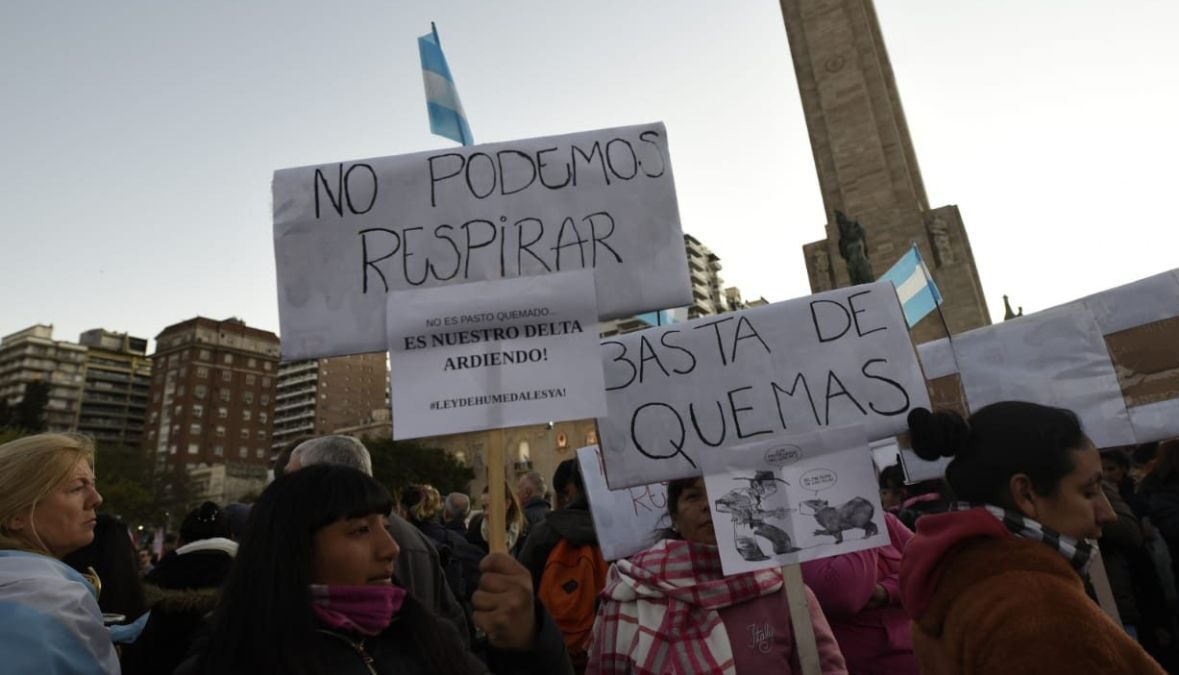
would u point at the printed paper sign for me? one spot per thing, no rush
(628, 520)
(677, 393)
(791, 499)
(347, 233)
(494, 354)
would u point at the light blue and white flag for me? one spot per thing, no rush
(49, 619)
(915, 287)
(442, 100)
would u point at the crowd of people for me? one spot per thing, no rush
(987, 571)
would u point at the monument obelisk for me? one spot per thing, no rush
(866, 164)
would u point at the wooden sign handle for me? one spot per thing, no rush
(497, 530)
(800, 619)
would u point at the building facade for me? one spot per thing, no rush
(536, 447)
(709, 295)
(32, 355)
(866, 162)
(115, 389)
(321, 396)
(213, 390)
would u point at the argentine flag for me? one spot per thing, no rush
(442, 100)
(915, 288)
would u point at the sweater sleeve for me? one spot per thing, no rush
(843, 583)
(830, 657)
(899, 536)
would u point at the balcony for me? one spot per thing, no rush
(285, 383)
(294, 405)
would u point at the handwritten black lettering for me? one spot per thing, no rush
(902, 408)
(436, 178)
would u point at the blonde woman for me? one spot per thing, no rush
(479, 535)
(49, 613)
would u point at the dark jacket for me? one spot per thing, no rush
(390, 654)
(418, 569)
(1120, 541)
(572, 522)
(535, 512)
(475, 531)
(459, 558)
(181, 592)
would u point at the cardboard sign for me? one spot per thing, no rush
(347, 233)
(494, 354)
(628, 520)
(676, 393)
(1110, 357)
(796, 498)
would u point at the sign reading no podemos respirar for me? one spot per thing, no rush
(347, 233)
(678, 392)
(494, 354)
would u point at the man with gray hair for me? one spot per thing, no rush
(455, 512)
(335, 449)
(530, 490)
(417, 568)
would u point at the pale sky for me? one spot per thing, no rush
(138, 138)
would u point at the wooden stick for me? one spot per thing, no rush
(497, 529)
(800, 620)
(1100, 580)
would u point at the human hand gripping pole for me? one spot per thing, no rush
(504, 607)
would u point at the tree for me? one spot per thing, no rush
(29, 414)
(140, 492)
(398, 463)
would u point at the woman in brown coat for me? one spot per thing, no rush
(996, 586)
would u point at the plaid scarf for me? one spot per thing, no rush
(659, 612)
(1079, 553)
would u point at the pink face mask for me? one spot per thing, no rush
(364, 610)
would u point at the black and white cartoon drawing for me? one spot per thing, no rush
(795, 499)
(854, 514)
(750, 512)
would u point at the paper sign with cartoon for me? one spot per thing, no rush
(794, 498)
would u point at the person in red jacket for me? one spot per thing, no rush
(997, 585)
(861, 597)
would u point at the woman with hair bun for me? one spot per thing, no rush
(997, 585)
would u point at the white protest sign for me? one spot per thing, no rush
(917, 469)
(794, 498)
(628, 520)
(346, 233)
(494, 354)
(676, 393)
(1056, 357)
(1109, 357)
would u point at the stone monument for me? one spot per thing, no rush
(866, 163)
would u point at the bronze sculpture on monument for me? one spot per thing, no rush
(853, 248)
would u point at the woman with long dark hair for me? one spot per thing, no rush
(312, 591)
(997, 585)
